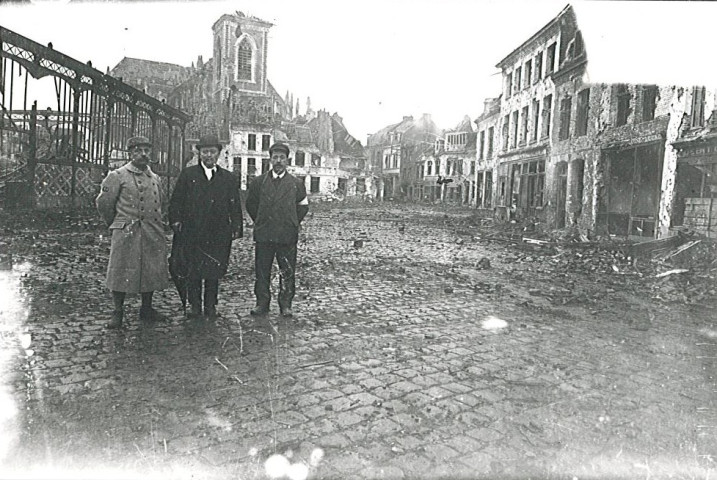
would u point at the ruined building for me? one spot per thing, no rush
(447, 170)
(602, 158)
(486, 158)
(231, 96)
(156, 79)
(396, 155)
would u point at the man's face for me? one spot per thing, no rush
(209, 156)
(140, 155)
(278, 162)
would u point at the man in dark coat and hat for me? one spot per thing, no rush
(277, 203)
(205, 208)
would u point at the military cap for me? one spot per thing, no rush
(280, 147)
(209, 141)
(138, 142)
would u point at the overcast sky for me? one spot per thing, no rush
(374, 61)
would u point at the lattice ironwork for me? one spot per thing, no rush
(41, 60)
(86, 184)
(53, 180)
(18, 52)
(56, 181)
(57, 68)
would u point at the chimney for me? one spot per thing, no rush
(407, 117)
(490, 104)
(426, 117)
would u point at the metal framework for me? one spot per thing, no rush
(94, 116)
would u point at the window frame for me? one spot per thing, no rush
(252, 48)
(622, 111)
(566, 106)
(582, 115)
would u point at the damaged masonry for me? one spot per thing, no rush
(527, 293)
(609, 160)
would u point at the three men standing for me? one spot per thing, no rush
(205, 209)
(130, 203)
(276, 202)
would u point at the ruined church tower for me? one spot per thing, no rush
(240, 53)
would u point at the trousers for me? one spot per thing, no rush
(211, 292)
(264, 255)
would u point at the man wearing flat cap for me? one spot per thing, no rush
(276, 202)
(206, 208)
(131, 204)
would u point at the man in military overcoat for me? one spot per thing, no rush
(276, 202)
(205, 208)
(131, 203)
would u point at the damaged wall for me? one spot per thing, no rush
(570, 158)
(680, 99)
(632, 163)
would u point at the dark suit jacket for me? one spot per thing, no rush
(209, 210)
(277, 207)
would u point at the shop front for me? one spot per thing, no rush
(696, 186)
(630, 196)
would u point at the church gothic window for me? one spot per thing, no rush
(245, 54)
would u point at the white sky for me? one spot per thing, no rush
(374, 61)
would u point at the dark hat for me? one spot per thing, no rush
(209, 141)
(137, 142)
(281, 147)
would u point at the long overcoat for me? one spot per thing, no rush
(130, 202)
(273, 207)
(209, 210)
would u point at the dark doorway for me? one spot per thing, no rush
(561, 176)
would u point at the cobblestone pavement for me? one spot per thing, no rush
(406, 359)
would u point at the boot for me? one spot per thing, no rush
(211, 313)
(149, 314)
(195, 311)
(260, 310)
(286, 311)
(116, 320)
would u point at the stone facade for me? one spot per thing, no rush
(598, 158)
(487, 138)
(526, 120)
(448, 171)
(396, 157)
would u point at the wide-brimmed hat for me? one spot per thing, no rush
(138, 142)
(279, 147)
(209, 141)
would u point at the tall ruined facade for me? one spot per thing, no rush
(599, 158)
(486, 158)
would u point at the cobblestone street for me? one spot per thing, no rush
(409, 357)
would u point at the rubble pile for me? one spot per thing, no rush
(686, 274)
